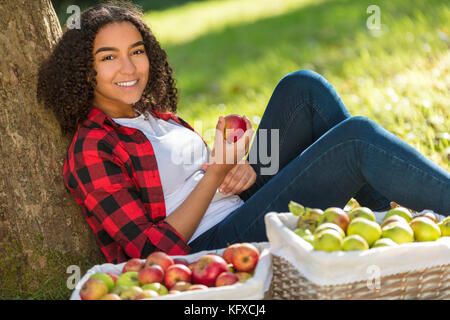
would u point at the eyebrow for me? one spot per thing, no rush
(115, 49)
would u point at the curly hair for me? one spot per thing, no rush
(66, 79)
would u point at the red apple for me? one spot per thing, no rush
(430, 216)
(147, 294)
(197, 287)
(93, 289)
(227, 254)
(337, 216)
(208, 268)
(160, 258)
(181, 286)
(113, 276)
(174, 291)
(151, 274)
(191, 265)
(245, 257)
(134, 264)
(111, 296)
(235, 127)
(181, 261)
(226, 278)
(176, 273)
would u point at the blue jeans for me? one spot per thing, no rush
(326, 157)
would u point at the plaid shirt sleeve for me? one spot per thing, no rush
(102, 185)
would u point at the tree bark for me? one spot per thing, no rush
(42, 230)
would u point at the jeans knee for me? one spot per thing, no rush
(358, 127)
(301, 79)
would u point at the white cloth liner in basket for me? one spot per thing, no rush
(253, 289)
(340, 267)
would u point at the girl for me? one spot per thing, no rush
(110, 86)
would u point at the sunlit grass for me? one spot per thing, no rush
(185, 23)
(229, 55)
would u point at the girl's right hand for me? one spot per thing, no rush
(225, 155)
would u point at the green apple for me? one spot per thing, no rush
(309, 219)
(444, 225)
(328, 240)
(131, 293)
(335, 215)
(354, 242)
(129, 279)
(119, 289)
(425, 229)
(431, 216)
(393, 219)
(369, 230)
(309, 238)
(296, 208)
(399, 232)
(329, 225)
(105, 278)
(400, 211)
(156, 286)
(384, 242)
(313, 214)
(361, 212)
(302, 232)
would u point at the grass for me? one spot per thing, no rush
(229, 55)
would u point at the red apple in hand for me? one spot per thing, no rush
(235, 127)
(160, 258)
(245, 257)
(207, 269)
(176, 273)
(151, 274)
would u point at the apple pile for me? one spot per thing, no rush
(159, 274)
(335, 229)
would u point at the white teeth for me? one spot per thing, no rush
(127, 84)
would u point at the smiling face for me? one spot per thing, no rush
(122, 67)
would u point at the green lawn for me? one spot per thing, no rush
(228, 56)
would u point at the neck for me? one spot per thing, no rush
(116, 111)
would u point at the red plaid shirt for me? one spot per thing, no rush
(112, 173)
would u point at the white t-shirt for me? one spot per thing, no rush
(179, 153)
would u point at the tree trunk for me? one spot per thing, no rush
(42, 230)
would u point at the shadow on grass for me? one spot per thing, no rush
(319, 36)
(61, 6)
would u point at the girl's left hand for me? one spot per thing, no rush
(238, 179)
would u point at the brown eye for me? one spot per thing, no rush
(139, 51)
(106, 58)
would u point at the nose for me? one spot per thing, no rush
(127, 66)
